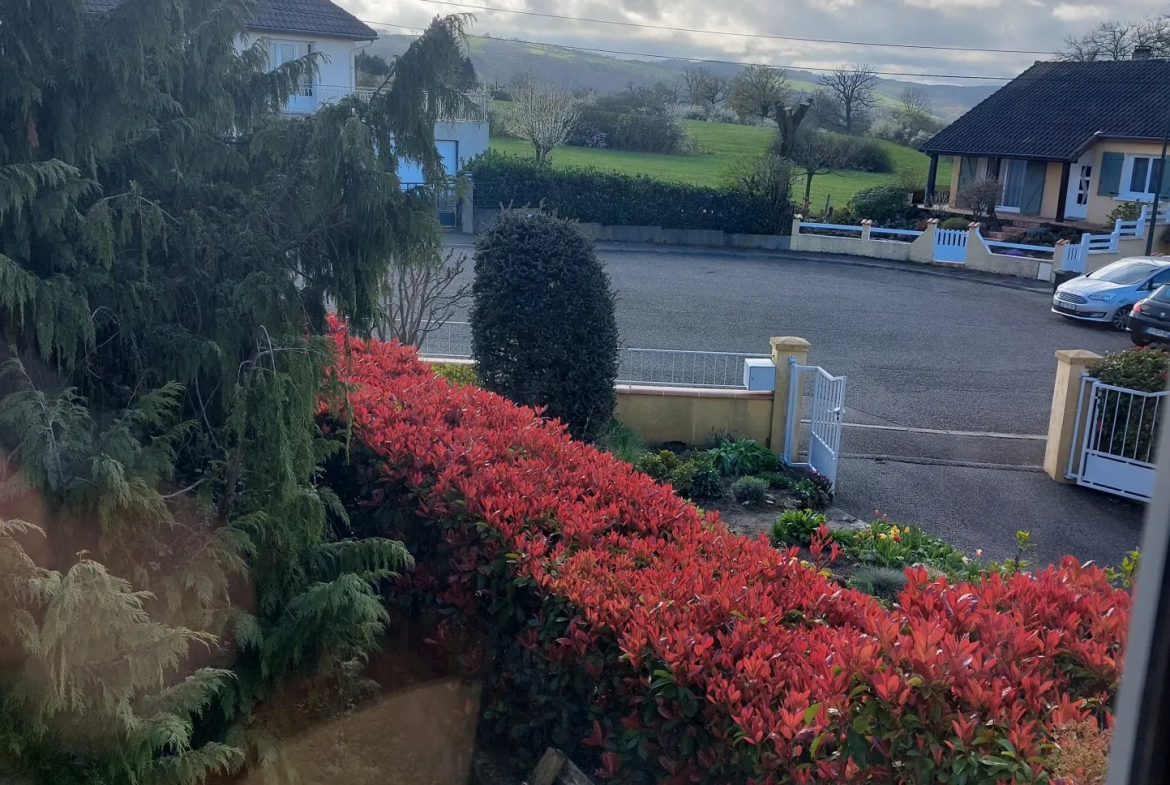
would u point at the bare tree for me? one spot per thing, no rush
(980, 197)
(914, 103)
(819, 152)
(788, 120)
(826, 111)
(756, 91)
(703, 88)
(542, 114)
(1118, 40)
(420, 294)
(853, 86)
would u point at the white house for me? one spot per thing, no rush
(295, 28)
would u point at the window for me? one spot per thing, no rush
(1012, 174)
(1140, 177)
(282, 52)
(1127, 272)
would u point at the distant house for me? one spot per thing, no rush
(1068, 141)
(296, 28)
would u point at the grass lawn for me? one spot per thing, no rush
(720, 144)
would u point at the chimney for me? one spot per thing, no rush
(1142, 53)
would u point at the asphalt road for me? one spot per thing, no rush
(920, 351)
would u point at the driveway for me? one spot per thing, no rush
(925, 352)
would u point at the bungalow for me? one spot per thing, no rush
(1068, 141)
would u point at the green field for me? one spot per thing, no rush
(721, 144)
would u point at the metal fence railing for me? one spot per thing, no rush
(676, 368)
(451, 340)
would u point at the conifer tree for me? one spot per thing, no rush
(169, 246)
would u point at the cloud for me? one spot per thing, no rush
(1078, 13)
(1036, 27)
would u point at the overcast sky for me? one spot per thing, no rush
(1000, 24)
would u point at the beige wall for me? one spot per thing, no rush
(1101, 206)
(694, 416)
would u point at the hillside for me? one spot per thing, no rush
(720, 146)
(497, 60)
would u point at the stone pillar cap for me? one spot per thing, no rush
(790, 342)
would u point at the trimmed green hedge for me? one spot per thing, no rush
(593, 196)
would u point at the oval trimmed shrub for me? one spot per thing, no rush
(543, 331)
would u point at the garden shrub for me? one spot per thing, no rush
(593, 196)
(892, 545)
(796, 527)
(880, 204)
(866, 155)
(749, 490)
(620, 441)
(1126, 211)
(706, 482)
(644, 132)
(955, 223)
(543, 331)
(666, 467)
(1141, 368)
(651, 644)
(456, 373)
(735, 458)
(813, 491)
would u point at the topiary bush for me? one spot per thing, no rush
(955, 223)
(542, 320)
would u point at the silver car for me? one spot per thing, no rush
(1108, 294)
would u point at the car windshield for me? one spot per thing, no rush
(1126, 272)
(1161, 294)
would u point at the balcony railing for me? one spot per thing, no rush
(473, 110)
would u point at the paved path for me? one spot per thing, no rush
(929, 351)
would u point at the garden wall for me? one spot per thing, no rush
(694, 416)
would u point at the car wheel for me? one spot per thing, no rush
(1139, 340)
(1121, 317)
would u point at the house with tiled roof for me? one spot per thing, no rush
(1068, 141)
(293, 29)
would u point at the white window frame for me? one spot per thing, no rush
(1124, 194)
(300, 49)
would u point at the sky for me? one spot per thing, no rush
(1034, 25)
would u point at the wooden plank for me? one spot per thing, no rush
(555, 768)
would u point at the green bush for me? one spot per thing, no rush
(1126, 211)
(867, 155)
(665, 466)
(706, 482)
(885, 583)
(955, 223)
(592, 196)
(457, 373)
(796, 527)
(1140, 368)
(814, 491)
(746, 456)
(749, 490)
(543, 331)
(643, 132)
(880, 204)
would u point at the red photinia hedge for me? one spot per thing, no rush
(630, 629)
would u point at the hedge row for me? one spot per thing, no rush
(626, 627)
(593, 196)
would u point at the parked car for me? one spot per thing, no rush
(1149, 321)
(1107, 295)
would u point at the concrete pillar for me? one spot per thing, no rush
(782, 349)
(866, 228)
(1066, 400)
(796, 219)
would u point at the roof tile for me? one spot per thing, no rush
(1053, 110)
(314, 17)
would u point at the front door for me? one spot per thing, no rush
(1080, 181)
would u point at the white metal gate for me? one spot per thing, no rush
(828, 407)
(950, 245)
(1115, 439)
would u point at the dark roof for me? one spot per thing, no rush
(314, 17)
(1054, 110)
